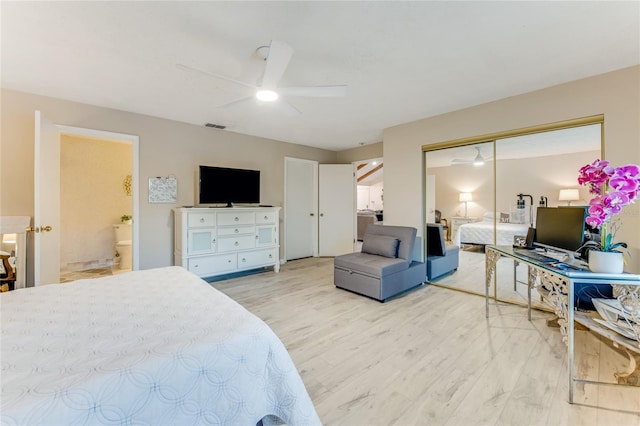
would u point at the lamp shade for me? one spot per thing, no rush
(569, 195)
(465, 196)
(9, 238)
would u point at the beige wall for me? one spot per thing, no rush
(92, 198)
(615, 94)
(166, 148)
(365, 152)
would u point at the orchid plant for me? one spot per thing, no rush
(614, 188)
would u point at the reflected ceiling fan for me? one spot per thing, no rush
(277, 56)
(479, 159)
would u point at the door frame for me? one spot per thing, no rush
(135, 181)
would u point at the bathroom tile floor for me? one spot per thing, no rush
(68, 276)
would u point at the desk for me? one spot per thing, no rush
(560, 286)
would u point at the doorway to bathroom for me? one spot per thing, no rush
(96, 206)
(47, 205)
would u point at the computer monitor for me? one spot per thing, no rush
(560, 229)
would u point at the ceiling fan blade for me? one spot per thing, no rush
(235, 102)
(315, 91)
(459, 161)
(277, 60)
(211, 74)
(290, 110)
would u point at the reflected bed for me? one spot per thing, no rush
(481, 233)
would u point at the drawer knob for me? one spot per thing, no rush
(202, 220)
(270, 256)
(237, 230)
(236, 218)
(236, 244)
(244, 260)
(266, 218)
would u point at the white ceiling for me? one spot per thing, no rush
(402, 60)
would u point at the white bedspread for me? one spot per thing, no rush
(153, 347)
(482, 233)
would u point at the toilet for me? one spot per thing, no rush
(123, 244)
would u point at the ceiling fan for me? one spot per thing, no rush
(479, 159)
(268, 90)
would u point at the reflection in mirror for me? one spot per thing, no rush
(529, 170)
(13, 244)
(459, 194)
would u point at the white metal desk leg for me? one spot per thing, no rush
(570, 332)
(490, 259)
(530, 283)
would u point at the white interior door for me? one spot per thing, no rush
(337, 207)
(47, 202)
(300, 208)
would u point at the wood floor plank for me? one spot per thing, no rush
(429, 357)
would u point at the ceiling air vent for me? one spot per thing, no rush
(215, 126)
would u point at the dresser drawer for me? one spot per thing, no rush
(208, 265)
(251, 259)
(201, 219)
(236, 218)
(237, 230)
(266, 217)
(233, 243)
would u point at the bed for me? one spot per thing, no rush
(481, 233)
(155, 347)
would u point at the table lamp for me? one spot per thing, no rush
(569, 195)
(465, 197)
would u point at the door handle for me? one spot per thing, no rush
(46, 228)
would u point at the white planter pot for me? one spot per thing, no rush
(606, 262)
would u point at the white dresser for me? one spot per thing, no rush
(216, 241)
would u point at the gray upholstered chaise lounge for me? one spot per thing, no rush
(384, 267)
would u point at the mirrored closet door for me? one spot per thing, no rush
(460, 192)
(495, 200)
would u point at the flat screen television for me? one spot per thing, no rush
(228, 186)
(560, 229)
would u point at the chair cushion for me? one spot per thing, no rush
(405, 234)
(381, 245)
(370, 264)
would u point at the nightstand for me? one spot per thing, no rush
(456, 221)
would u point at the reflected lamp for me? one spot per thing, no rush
(465, 197)
(569, 195)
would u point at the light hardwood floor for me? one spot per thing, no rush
(430, 357)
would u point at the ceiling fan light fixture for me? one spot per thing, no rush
(266, 95)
